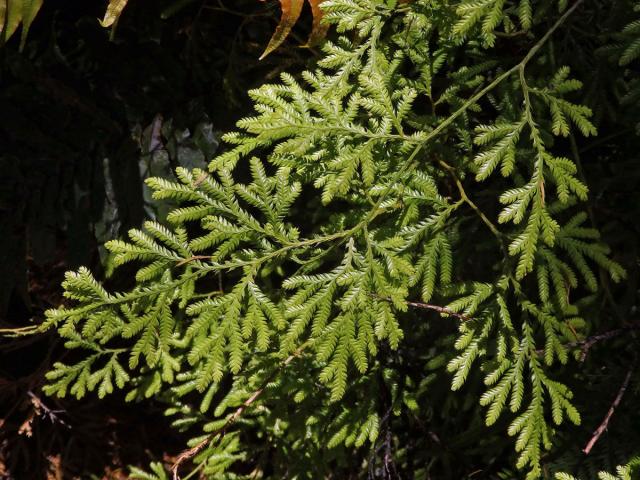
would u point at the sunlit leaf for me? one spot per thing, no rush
(3, 14)
(13, 17)
(290, 13)
(30, 9)
(113, 12)
(291, 10)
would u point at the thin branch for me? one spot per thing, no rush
(435, 308)
(465, 198)
(438, 308)
(605, 423)
(547, 35)
(586, 344)
(44, 411)
(20, 331)
(188, 454)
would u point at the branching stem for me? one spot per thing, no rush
(605, 422)
(468, 201)
(440, 309)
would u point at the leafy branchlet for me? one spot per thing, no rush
(234, 281)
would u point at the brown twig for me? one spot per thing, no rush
(438, 308)
(187, 454)
(588, 342)
(605, 423)
(591, 341)
(435, 308)
(42, 410)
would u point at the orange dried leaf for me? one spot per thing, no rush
(318, 29)
(291, 10)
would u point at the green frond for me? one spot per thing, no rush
(299, 270)
(623, 472)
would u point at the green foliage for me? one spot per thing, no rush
(623, 472)
(488, 15)
(14, 13)
(288, 270)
